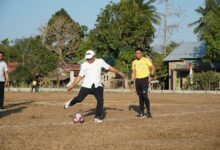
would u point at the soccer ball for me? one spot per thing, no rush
(78, 118)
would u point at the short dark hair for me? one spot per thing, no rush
(3, 54)
(139, 49)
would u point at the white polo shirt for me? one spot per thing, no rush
(92, 72)
(3, 69)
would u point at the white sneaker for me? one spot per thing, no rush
(98, 120)
(67, 104)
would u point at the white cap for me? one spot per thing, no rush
(89, 54)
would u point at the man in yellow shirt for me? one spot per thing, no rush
(142, 69)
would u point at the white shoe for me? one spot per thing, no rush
(67, 104)
(98, 120)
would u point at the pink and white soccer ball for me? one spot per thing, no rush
(78, 118)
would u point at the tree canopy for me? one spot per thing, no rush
(208, 28)
(35, 59)
(63, 35)
(124, 25)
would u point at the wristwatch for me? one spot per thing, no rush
(152, 75)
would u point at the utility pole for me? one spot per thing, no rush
(165, 27)
(169, 28)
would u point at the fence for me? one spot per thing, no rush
(118, 91)
(120, 84)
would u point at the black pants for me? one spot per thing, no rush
(142, 92)
(97, 92)
(2, 91)
(35, 88)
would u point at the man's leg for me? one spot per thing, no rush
(81, 96)
(141, 103)
(147, 102)
(2, 87)
(98, 93)
(140, 96)
(145, 96)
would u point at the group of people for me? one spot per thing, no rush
(90, 72)
(142, 70)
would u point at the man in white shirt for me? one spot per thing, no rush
(3, 79)
(92, 84)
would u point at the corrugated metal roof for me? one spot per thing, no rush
(194, 50)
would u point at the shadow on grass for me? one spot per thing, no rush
(9, 109)
(135, 108)
(17, 104)
(93, 111)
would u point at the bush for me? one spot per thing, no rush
(206, 80)
(21, 74)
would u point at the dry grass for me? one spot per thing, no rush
(38, 121)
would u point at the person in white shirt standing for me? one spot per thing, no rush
(92, 84)
(3, 79)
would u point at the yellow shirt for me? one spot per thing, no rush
(141, 67)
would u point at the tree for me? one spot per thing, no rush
(5, 42)
(171, 46)
(21, 74)
(124, 61)
(208, 28)
(63, 35)
(36, 59)
(161, 71)
(167, 27)
(124, 25)
(84, 46)
(10, 53)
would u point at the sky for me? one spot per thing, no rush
(23, 18)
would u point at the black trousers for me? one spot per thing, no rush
(2, 91)
(142, 92)
(97, 92)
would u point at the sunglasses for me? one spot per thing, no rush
(89, 59)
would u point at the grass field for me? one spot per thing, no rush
(38, 121)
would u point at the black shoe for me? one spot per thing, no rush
(148, 114)
(141, 115)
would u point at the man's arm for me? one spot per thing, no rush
(152, 71)
(75, 83)
(6, 78)
(133, 73)
(133, 77)
(112, 69)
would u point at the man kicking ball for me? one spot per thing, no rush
(92, 84)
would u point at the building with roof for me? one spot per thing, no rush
(184, 60)
(61, 75)
(187, 51)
